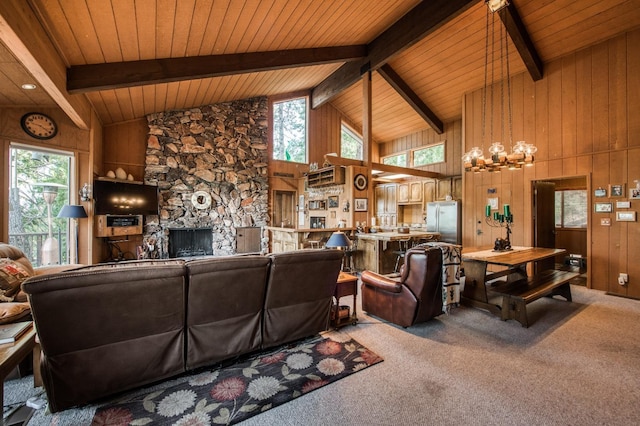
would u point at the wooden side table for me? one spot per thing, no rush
(347, 286)
(12, 354)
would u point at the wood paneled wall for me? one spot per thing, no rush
(125, 146)
(584, 117)
(453, 147)
(69, 138)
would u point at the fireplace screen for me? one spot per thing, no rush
(189, 242)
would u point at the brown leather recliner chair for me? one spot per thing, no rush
(414, 297)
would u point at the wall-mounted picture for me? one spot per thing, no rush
(626, 216)
(616, 190)
(333, 202)
(600, 192)
(603, 207)
(634, 193)
(360, 204)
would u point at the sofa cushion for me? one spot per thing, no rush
(11, 312)
(12, 274)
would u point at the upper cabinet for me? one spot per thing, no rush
(386, 199)
(333, 175)
(429, 190)
(449, 186)
(410, 193)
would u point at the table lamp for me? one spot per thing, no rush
(338, 240)
(75, 213)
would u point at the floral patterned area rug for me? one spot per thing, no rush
(230, 394)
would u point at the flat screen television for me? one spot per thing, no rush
(124, 198)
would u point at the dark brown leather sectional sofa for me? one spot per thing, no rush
(108, 328)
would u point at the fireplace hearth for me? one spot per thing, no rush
(190, 242)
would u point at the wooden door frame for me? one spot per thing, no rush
(588, 178)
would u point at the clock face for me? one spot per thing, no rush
(39, 126)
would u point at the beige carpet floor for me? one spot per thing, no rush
(577, 364)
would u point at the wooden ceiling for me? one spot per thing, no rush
(439, 68)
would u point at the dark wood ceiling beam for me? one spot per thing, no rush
(520, 37)
(389, 74)
(420, 21)
(86, 78)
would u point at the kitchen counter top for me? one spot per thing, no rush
(395, 236)
(277, 228)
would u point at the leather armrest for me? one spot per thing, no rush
(380, 281)
(54, 269)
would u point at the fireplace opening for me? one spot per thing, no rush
(190, 242)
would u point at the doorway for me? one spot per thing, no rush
(284, 209)
(560, 220)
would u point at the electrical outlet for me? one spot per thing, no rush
(623, 279)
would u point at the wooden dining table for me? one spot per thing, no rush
(499, 281)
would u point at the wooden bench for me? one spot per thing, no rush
(516, 295)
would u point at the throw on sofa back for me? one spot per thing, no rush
(298, 302)
(108, 328)
(224, 311)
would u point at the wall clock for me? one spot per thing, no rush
(360, 182)
(38, 125)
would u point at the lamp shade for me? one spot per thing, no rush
(73, 212)
(338, 239)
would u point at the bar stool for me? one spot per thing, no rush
(403, 246)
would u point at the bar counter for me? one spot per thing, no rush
(290, 239)
(376, 250)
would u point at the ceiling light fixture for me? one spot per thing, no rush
(522, 153)
(29, 86)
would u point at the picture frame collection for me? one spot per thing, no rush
(608, 196)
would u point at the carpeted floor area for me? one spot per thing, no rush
(577, 364)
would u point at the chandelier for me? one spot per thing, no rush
(521, 153)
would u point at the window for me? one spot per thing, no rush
(290, 130)
(39, 187)
(350, 143)
(571, 208)
(429, 155)
(396, 160)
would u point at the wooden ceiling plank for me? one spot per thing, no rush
(106, 32)
(28, 42)
(165, 23)
(185, 11)
(78, 15)
(84, 78)
(124, 14)
(146, 15)
(520, 37)
(411, 97)
(423, 19)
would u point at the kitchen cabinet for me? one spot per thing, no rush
(449, 186)
(410, 192)
(429, 190)
(386, 204)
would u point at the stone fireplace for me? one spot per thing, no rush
(210, 165)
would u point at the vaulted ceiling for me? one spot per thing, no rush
(155, 55)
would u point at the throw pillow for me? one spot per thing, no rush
(11, 276)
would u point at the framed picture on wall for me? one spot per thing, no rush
(603, 207)
(616, 190)
(626, 216)
(634, 193)
(600, 192)
(360, 204)
(333, 201)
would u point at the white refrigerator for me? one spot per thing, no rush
(445, 217)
